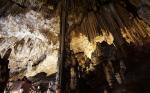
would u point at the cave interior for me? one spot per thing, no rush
(104, 44)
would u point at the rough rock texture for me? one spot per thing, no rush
(33, 40)
(100, 33)
(101, 37)
(112, 23)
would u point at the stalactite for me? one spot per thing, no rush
(111, 23)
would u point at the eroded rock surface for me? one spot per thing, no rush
(33, 40)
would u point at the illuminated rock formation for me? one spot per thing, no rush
(97, 40)
(33, 40)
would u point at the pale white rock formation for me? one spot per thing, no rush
(33, 40)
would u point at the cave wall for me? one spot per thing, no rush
(30, 29)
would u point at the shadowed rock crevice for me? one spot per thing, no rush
(4, 70)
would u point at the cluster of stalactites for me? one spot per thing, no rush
(112, 23)
(111, 18)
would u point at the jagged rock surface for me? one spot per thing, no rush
(33, 40)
